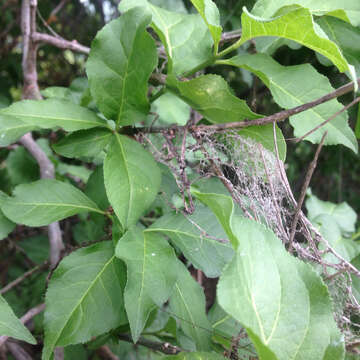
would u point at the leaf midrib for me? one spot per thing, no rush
(83, 296)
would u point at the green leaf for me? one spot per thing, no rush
(45, 201)
(349, 10)
(132, 179)
(6, 226)
(151, 274)
(331, 232)
(344, 216)
(195, 356)
(347, 37)
(357, 128)
(171, 109)
(95, 188)
(291, 26)
(199, 243)
(11, 326)
(83, 143)
(12, 128)
(122, 57)
(282, 303)
(187, 303)
(21, 166)
(264, 134)
(52, 113)
(223, 207)
(186, 38)
(212, 97)
(90, 282)
(294, 85)
(210, 13)
(78, 171)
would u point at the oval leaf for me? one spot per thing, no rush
(90, 282)
(52, 113)
(132, 179)
(118, 74)
(45, 201)
(83, 143)
(11, 326)
(151, 274)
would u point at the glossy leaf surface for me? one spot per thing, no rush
(122, 57)
(83, 143)
(52, 113)
(292, 86)
(45, 201)
(290, 26)
(151, 274)
(11, 326)
(132, 179)
(91, 282)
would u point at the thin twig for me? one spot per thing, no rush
(277, 117)
(60, 42)
(23, 277)
(305, 186)
(165, 348)
(355, 101)
(24, 319)
(17, 351)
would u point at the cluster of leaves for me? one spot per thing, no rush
(135, 282)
